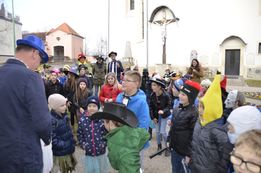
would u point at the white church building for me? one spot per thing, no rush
(223, 35)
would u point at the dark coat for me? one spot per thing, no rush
(25, 119)
(52, 88)
(210, 148)
(99, 71)
(181, 131)
(91, 136)
(118, 66)
(62, 137)
(157, 103)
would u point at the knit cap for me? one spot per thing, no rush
(191, 89)
(81, 79)
(178, 84)
(245, 118)
(93, 99)
(56, 100)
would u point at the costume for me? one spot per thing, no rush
(25, 118)
(124, 142)
(124, 145)
(210, 144)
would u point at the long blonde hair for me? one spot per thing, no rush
(116, 84)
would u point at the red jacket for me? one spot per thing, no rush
(107, 92)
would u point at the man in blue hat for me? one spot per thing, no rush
(24, 114)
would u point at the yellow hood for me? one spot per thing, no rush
(213, 107)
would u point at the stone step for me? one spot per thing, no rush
(236, 81)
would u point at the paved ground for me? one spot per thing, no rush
(159, 164)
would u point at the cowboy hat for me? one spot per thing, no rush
(111, 53)
(158, 81)
(117, 112)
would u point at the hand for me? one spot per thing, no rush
(155, 121)
(187, 159)
(69, 103)
(169, 122)
(160, 112)
(81, 110)
(110, 100)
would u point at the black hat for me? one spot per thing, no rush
(117, 112)
(111, 53)
(191, 89)
(158, 81)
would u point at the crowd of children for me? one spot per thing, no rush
(205, 120)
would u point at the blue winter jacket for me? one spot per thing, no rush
(139, 106)
(25, 119)
(62, 137)
(91, 136)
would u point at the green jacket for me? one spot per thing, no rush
(124, 145)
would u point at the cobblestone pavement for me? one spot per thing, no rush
(158, 164)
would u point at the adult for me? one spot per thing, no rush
(195, 71)
(115, 66)
(25, 118)
(98, 71)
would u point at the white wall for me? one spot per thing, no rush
(202, 27)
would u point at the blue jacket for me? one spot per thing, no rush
(62, 137)
(91, 136)
(25, 119)
(139, 106)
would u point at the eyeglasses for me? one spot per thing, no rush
(238, 161)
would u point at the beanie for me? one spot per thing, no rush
(245, 118)
(56, 100)
(230, 102)
(81, 79)
(178, 83)
(191, 89)
(93, 99)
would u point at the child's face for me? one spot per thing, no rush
(82, 85)
(155, 87)
(82, 72)
(62, 108)
(245, 160)
(183, 98)
(129, 84)
(92, 108)
(111, 80)
(53, 77)
(200, 109)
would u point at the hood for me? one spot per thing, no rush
(212, 100)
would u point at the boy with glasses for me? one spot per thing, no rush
(246, 156)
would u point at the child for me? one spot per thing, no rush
(81, 95)
(243, 119)
(124, 140)
(160, 105)
(110, 89)
(91, 138)
(183, 120)
(62, 138)
(210, 144)
(246, 156)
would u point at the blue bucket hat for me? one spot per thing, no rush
(36, 43)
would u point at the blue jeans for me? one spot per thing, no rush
(176, 162)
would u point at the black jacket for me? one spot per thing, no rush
(181, 130)
(157, 103)
(210, 148)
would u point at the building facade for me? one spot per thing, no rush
(223, 35)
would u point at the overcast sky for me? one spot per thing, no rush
(87, 17)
